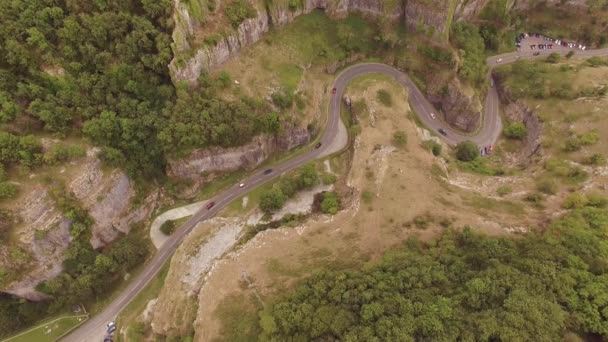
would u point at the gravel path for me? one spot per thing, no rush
(157, 237)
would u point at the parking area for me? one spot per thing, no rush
(537, 41)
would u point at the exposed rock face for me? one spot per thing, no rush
(459, 110)
(515, 110)
(252, 30)
(249, 156)
(108, 200)
(434, 14)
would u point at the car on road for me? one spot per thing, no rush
(536, 53)
(442, 131)
(267, 171)
(318, 145)
(242, 185)
(499, 60)
(517, 57)
(333, 91)
(210, 205)
(432, 115)
(491, 148)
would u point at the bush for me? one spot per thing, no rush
(576, 200)
(308, 176)
(384, 97)
(432, 146)
(328, 178)
(400, 139)
(547, 186)
(283, 98)
(515, 130)
(7, 190)
(61, 153)
(330, 203)
(595, 159)
(467, 151)
(554, 58)
(596, 199)
(570, 54)
(597, 61)
(239, 10)
(272, 200)
(504, 190)
(168, 227)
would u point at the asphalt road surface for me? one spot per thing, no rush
(491, 127)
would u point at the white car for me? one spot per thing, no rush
(432, 115)
(242, 185)
(517, 57)
(499, 60)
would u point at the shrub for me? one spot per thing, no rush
(572, 144)
(399, 138)
(595, 199)
(384, 97)
(328, 178)
(575, 201)
(589, 138)
(570, 54)
(308, 176)
(597, 61)
(61, 153)
(595, 159)
(504, 190)
(547, 186)
(7, 190)
(239, 10)
(367, 196)
(168, 227)
(466, 151)
(283, 98)
(436, 149)
(330, 203)
(432, 146)
(554, 58)
(272, 200)
(515, 130)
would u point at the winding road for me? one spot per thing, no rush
(491, 127)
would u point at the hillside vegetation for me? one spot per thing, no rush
(462, 286)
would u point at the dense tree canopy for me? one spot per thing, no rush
(464, 286)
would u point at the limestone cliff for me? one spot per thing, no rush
(43, 231)
(217, 159)
(188, 64)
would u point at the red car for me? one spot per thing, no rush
(333, 91)
(210, 205)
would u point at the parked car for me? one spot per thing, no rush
(442, 131)
(432, 115)
(318, 144)
(536, 53)
(517, 57)
(210, 205)
(242, 185)
(267, 171)
(333, 91)
(499, 60)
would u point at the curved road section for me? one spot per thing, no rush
(94, 329)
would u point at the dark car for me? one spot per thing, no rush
(536, 53)
(267, 171)
(442, 131)
(333, 91)
(210, 205)
(318, 145)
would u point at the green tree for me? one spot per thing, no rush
(466, 151)
(330, 203)
(515, 130)
(272, 200)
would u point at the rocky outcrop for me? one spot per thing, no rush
(435, 15)
(459, 109)
(43, 230)
(217, 159)
(516, 111)
(276, 13)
